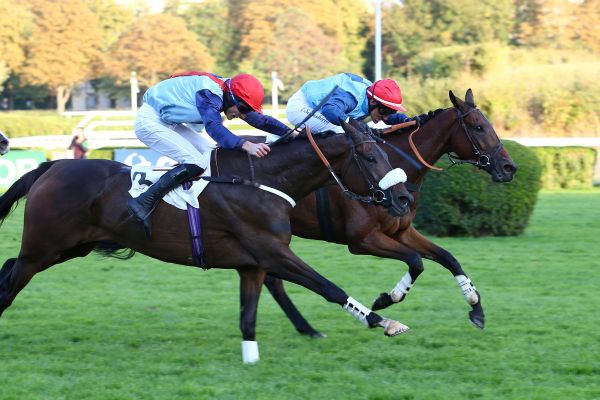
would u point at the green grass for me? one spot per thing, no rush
(142, 329)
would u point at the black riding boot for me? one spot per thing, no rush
(141, 207)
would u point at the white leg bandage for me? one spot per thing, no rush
(250, 352)
(359, 311)
(468, 289)
(401, 288)
(395, 176)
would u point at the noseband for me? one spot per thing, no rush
(378, 195)
(482, 159)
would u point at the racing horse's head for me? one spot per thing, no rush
(479, 145)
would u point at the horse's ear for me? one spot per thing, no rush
(455, 101)
(469, 97)
(350, 130)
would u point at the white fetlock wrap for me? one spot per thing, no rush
(250, 352)
(394, 177)
(401, 288)
(359, 311)
(468, 289)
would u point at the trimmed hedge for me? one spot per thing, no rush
(463, 201)
(566, 167)
(36, 123)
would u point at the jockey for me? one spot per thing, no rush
(355, 98)
(196, 99)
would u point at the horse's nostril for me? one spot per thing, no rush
(510, 168)
(404, 201)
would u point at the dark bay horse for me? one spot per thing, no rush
(462, 130)
(76, 206)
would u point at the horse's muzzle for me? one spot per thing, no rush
(397, 206)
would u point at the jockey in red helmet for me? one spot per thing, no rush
(197, 100)
(355, 97)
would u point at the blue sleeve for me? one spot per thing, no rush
(209, 106)
(397, 119)
(338, 106)
(266, 123)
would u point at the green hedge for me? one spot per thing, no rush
(36, 123)
(463, 201)
(566, 167)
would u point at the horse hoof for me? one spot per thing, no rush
(393, 328)
(313, 334)
(383, 301)
(476, 319)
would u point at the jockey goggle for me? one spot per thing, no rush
(383, 110)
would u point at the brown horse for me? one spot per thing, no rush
(462, 130)
(76, 206)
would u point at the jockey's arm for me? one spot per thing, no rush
(338, 106)
(397, 118)
(209, 106)
(265, 123)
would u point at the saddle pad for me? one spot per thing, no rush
(142, 177)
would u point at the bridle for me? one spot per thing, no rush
(482, 159)
(378, 196)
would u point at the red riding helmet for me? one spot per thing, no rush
(248, 89)
(388, 93)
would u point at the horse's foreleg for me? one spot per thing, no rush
(275, 286)
(251, 281)
(429, 250)
(286, 265)
(377, 243)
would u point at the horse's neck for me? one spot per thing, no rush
(293, 168)
(432, 140)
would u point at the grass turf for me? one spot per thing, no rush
(106, 329)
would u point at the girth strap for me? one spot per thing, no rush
(324, 214)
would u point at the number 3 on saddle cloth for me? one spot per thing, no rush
(184, 197)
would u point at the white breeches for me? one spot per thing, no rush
(178, 141)
(298, 108)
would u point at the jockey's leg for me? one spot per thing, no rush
(142, 206)
(297, 110)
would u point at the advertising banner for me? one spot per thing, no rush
(17, 163)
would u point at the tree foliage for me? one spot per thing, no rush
(212, 23)
(258, 23)
(156, 46)
(315, 54)
(63, 45)
(15, 24)
(423, 26)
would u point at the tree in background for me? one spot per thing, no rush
(340, 21)
(212, 23)
(112, 19)
(15, 24)
(156, 46)
(559, 24)
(421, 26)
(63, 46)
(314, 56)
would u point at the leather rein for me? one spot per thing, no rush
(378, 195)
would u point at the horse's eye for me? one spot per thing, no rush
(370, 158)
(479, 128)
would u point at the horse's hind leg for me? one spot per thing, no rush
(13, 282)
(275, 286)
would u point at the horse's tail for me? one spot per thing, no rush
(20, 188)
